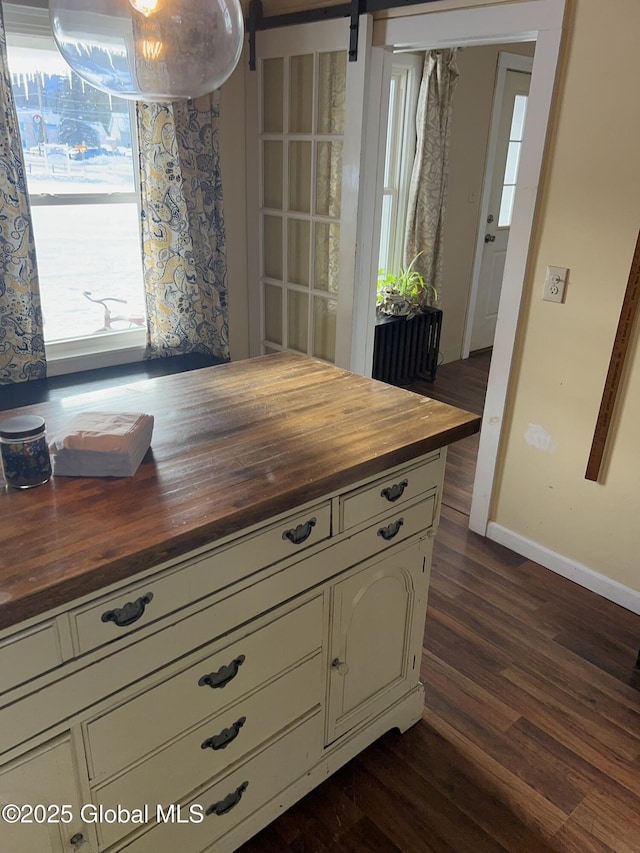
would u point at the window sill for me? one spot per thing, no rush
(58, 387)
(95, 352)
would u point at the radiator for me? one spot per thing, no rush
(405, 350)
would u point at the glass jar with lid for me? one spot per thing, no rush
(24, 451)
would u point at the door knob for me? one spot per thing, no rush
(489, 238)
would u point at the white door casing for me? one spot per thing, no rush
(503, 23)
(513, 79)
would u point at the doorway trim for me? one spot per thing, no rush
(502, 23)
(506, 62)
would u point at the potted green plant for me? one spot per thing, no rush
(405, 293)
(407, 331)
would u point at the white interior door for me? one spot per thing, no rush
(304, 138)
(505, 144)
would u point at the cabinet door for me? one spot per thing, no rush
(376, 636)
(43, 782)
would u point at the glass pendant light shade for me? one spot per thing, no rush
(150, 50)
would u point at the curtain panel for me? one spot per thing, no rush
(22, 354)
(429, 178)
(183, 233)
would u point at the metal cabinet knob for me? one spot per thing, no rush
(340, 667)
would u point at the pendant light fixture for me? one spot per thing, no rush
(150, 50)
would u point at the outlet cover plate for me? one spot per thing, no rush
(555, 284)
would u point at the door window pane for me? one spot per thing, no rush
(332, 83)
(519, 115)
(327, 249)
(273, 313)
(272, 246)
(298, 251)
(324, 328)
(506, 206)
(298, 320)
(272, 95)
(272, 171)
(300, 93)
(300, 177)
(513, 161)
(329, 179)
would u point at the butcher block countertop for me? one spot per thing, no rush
(232, 446)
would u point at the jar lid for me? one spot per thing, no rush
(22, 426)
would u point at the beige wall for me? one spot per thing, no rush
(472, 104)
(588, 220)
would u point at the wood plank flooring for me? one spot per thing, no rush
(530, 737)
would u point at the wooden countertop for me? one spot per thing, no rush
(232, 446)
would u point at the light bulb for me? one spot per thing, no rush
(150, 50)
(146, 7)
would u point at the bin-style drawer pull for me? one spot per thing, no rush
(391, 530)
(392, 493)
(298, 534)
(231, 800)
(130, 613)
(222, 740)
(223, 676)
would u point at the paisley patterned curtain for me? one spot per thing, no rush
(22, 353)
(428, 188)
(183, 235)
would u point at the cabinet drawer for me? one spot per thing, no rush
(391, 491)
(394, 528)
(131, 608)
(188, 762)
(27, 654)
(146, 722)
(229, 801)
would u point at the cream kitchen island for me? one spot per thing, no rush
(185, 653)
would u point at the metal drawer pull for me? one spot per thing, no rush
(298, 534)
(391, 530)
(392, 493)
(130, 613)
(225, 737)
(231, 800)
(223, 676)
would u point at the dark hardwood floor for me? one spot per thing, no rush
(530, 737)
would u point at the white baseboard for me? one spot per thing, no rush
(582, 575)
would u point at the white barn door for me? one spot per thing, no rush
(304, 147)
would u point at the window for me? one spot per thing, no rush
(513, 161)
(79, 152)
(400, 151)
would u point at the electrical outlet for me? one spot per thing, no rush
(555, 284)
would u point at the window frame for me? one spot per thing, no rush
(24, 24)
(406, 75)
